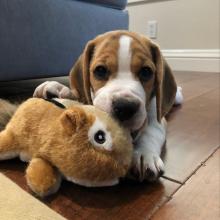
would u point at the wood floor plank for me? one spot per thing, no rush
(126, 201)
(187, 76)
(199, 198)
(197, 84)
(129, 200)
(193, 134)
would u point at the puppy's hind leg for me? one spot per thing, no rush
(8, 147)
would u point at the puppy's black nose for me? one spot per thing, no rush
(124, 108)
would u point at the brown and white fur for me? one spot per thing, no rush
(137, 74)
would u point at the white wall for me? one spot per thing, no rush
(185, 28)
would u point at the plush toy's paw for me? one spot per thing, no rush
(42, 178)
(147, 166)
(52, 89)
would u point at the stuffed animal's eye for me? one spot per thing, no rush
(101, 72)
(99, 137)
(145, 73)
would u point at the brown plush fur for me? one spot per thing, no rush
(58, 139)
(42, 177)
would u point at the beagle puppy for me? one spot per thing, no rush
(124, 74)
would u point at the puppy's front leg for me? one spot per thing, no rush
(51, 89)
(147, 163)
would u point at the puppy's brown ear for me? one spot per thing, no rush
(73, 119)
(80, 75)
(165, 83)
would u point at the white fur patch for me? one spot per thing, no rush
(54, 88)
(179, 96)
(88, 183)
(24, 157)
(98, 125)
(13, 154)
(9, 155)
(124, 57)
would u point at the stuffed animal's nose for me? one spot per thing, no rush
(125, 108)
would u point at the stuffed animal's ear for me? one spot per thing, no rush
(80, 75)
(73, 119)
(165, 83)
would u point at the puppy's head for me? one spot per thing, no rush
(119, 72)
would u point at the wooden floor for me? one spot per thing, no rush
(190, 188)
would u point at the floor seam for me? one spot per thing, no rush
(190, 99)
(181, 184)
(194, 171)
(171, 179)
(201, 164)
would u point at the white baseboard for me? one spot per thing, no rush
(193, 60)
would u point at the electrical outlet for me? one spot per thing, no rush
(152, 29)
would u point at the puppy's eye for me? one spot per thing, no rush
(99, 137)
(101, 72)
(145, 73)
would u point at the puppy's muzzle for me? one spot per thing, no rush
(124, 108)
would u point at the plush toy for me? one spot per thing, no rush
(80, 143)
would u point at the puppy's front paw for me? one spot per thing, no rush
(147, 165)
(52, 89)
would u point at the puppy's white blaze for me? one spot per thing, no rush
(98, 125)
(124, 56)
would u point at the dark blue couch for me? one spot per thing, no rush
(43, 38)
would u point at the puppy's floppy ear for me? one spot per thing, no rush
(165, 83)
(80, 75)
(73, 119)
